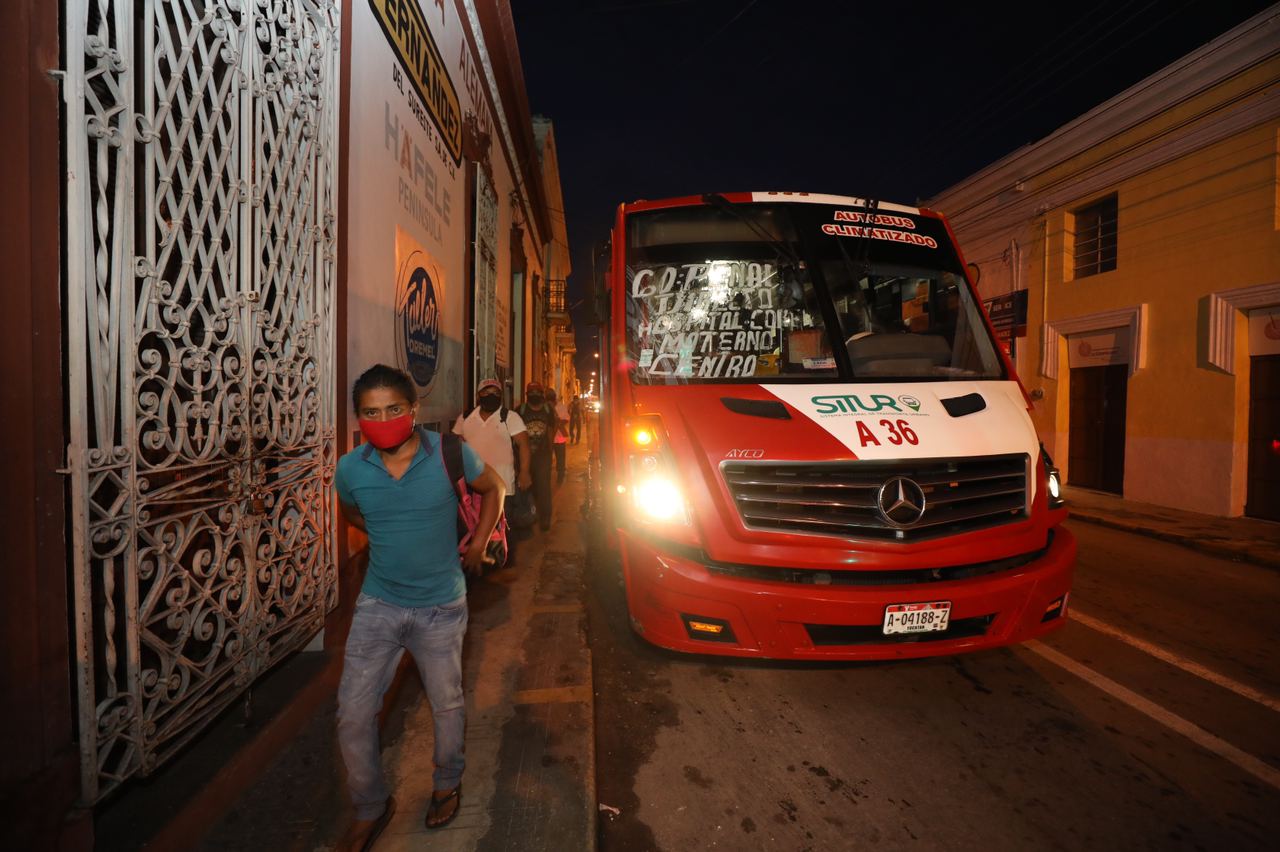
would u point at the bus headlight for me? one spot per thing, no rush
(1053, 480)
(654, 484)
(658, 499)
(1055, 486)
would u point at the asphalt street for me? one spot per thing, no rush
(1151, 721)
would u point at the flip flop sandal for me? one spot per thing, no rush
(438, 804)
(387, 813)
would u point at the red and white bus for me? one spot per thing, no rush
(812, 445)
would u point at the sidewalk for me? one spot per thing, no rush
(530, 778)
(1238, 539)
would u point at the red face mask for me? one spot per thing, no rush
(387, 434)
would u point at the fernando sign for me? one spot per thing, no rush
(406, 30)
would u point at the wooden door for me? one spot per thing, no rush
(1263, 500)
(1095, 458)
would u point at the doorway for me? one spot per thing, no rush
(1095, 456)
(1263, 498)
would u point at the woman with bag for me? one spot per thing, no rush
(562, 434)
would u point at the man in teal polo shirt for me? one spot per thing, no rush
(395, 487)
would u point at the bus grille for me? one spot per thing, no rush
(844, 498)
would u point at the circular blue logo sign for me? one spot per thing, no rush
(420, 325)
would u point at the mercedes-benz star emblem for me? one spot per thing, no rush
(901, 502)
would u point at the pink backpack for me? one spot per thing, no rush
(469, 504)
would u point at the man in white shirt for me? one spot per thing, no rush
(486, 432)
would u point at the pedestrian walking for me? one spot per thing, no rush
(498, 436)
(540, 422)
(561, 439)
(575, 419)
(396, 488)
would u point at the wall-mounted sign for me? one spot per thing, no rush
(1008, 314)
(419, 305)
(1098, 348)
(1264, 331)
(406, 30)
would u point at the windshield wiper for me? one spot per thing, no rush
(783, 249)
(789, 261)
(855, 273)
(870, 205)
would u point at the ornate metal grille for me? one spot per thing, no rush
(486, 307)
(200, 216)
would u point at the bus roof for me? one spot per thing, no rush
(813, 198)
(794, 197)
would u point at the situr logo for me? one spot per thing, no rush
(863, 404)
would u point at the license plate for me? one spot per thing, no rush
(916, 617)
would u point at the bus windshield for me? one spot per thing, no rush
(798, 292)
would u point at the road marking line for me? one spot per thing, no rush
(574, 607)
(554, 695)
(1198, 735)
(1180, 662)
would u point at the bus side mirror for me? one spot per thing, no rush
(600, 301)
(602, 282)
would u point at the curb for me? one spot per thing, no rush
(1208, 548)
(544, 794)
(589, 774)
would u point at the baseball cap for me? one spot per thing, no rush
(487, 384)
(533, 387)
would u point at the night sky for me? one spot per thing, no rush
(897, 101)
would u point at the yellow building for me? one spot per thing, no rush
(557, 344)
(1147, 236)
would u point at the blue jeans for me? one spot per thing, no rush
(380, 634)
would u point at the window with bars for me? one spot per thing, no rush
(556, 296)
(1095, 237)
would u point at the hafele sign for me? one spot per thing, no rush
(1098, 348)
(1264, 331)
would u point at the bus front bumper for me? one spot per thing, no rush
(676, 602)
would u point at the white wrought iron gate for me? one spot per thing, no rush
(486, 278)
(201, 155)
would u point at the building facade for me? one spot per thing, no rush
(1132, 259)
(448, 224)
(218, 215)
(558, 339)
(40, 772)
